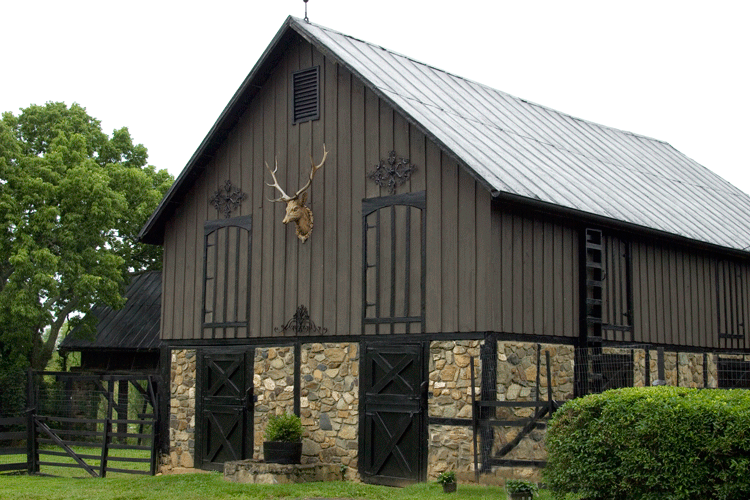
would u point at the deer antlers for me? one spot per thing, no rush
(296, 211)
(285, 197)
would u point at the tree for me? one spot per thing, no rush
(72, 200)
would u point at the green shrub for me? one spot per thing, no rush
(286, 427)
(649, 443)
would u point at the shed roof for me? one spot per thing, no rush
(135, 326)
(515, 148)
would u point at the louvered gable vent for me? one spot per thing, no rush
(306, 85)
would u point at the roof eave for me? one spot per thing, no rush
(629, 227)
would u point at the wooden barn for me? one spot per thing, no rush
(127, 339)
(454, 227)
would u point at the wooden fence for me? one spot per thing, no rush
(98, 423)
(13, 431)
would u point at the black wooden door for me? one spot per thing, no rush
(393, 443)
(226, 407)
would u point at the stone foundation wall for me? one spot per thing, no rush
(451, 447)
(450, 377)
(273, 385)
(329, 404)
(517, 374)
(329, 397)
(182, 410)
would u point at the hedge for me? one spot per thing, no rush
(652, 443)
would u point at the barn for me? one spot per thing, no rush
(446, 242)
(127, 339)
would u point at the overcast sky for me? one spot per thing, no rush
(677, 71)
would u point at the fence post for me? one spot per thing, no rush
(474, 417)
(107, 429)
(660, 378)
(549, 385)
(32, 458)
(154, 396)
(487, 392)
(705, 370)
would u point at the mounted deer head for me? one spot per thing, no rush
(296, 211)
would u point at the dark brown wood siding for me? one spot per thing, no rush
(535, 276)
(325, 274)
(680, 297)
(489, 267)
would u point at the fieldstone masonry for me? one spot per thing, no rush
(182, 411)
(451, 447)
(329, 403)
(517, 374)
(273, 383)
(329, 398)
(255, 472)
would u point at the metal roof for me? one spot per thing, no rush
(522, 150)
(135, 326)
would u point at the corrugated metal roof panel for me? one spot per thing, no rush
(521, 148)
(135, 326)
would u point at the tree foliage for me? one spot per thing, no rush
(72, 200)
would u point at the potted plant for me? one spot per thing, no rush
(520, 489)
(448, 480)
(283, 444)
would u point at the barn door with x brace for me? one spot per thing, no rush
(225, 412)
(393, 443)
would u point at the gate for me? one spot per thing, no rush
(99, 423)
(226, 407)
(483, 420)
(394, 434)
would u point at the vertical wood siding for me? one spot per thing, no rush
(535, 275)
(325, 274)
(488, 268)
(681, 297)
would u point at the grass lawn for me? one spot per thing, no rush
(212, 486)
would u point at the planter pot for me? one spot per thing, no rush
(522, 495)
(449, 487)
(282, 452)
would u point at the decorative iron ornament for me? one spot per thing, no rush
(301, 323)
(227, 198)
(392, 172)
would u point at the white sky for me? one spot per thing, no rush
(678, 71)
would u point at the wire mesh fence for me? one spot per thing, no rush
(99, 423)
(13, 422)
(610, 367)
(510, 421)
(83, 402)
